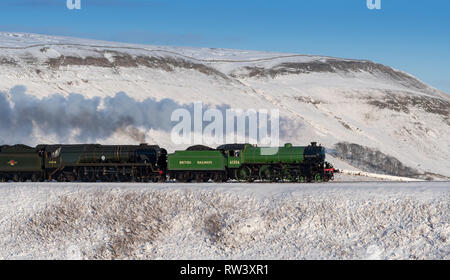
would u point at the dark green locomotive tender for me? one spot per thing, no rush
(20, 162)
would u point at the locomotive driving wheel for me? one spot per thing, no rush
(265, 173)
(87, 174)
(243, 173)
(318, 178)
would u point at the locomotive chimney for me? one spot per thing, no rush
(313, 144)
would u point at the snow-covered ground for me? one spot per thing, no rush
(351, 220)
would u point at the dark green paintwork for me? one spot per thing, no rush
(19, 158)
(216, 160)
(262, 155)
(78, 155)
(196, 160)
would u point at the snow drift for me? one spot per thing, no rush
(232, 221)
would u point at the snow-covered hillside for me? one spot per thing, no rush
(376, 113)
(225, 221)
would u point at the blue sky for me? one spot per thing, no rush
(411, 35)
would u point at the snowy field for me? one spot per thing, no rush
(345, 220)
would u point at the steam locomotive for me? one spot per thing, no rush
(151, 163)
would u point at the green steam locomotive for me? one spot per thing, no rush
(145, 163)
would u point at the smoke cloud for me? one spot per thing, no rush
(76, 118)
(80, 118)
